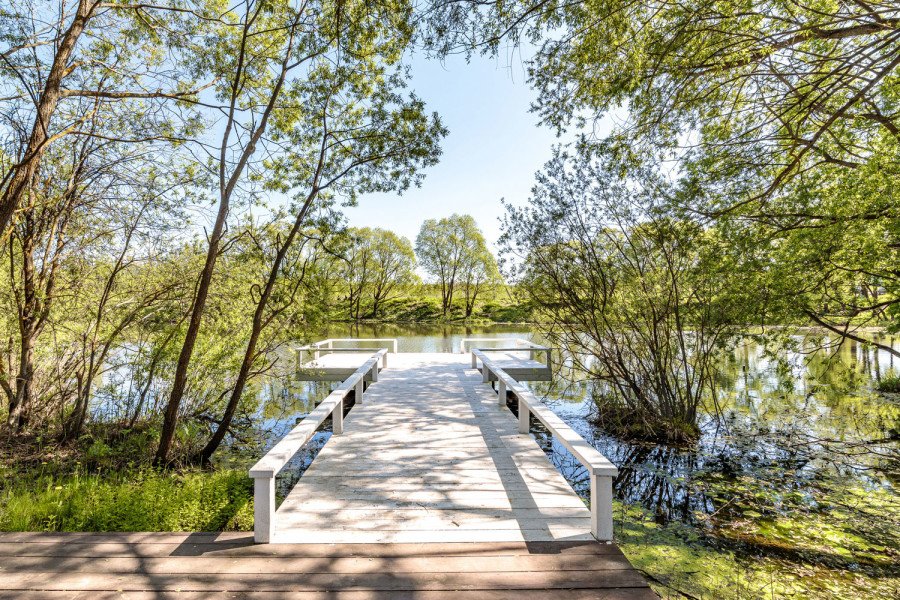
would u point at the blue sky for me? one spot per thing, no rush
(492, 151)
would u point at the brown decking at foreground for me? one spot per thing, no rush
(230, 565)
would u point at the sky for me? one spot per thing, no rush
(492, 151)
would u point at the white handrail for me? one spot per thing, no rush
(265, 470)
(529, 347)
(330, 342)
(517, 341)
(600, 468)
(327, 346)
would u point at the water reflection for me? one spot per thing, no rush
(800, 431)
(793, 424)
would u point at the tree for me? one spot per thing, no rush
(349, 131)
(61, 70)
(70, 254)
(447, 248)
(378, 261)
(394, 265)
(479, 271)
(642, 302)
(781, 120)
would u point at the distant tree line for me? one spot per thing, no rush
(375, 265)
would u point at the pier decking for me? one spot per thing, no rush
(428, 489)
(430, 456)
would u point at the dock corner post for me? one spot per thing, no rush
(474, 361)
(360, 390)
(263, 509)
(524, 416)
(395, 350)
(501, 393)
(485, 373)
(337, 418)
(375, 372)
(601, 507)
(384, 361)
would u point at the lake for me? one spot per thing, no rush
(801, 462)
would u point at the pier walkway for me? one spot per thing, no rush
(430, 488)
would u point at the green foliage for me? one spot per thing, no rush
(453, 251)
(376, 263)
(889, 383)
(643, 301)
(127, 500)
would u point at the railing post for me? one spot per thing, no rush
(337, 418)
(360, 390)
(474, 361)
(601, 507)
(395, 351)
(485, 372)
(524, 416)
(384, 361)
(501, 393)
(375, 372)
(316, 351)
(263, 509)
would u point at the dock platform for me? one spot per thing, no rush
(430, 488)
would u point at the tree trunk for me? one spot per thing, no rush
(22, 173)
(190, 338)
(250, 351)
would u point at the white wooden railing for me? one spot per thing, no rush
(600, 468)
(327, 346)
(264, 471)
(507, 345)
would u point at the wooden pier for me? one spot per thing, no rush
(429, 488)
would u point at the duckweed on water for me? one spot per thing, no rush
(682, 564)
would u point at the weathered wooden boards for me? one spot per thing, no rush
(148, 565)
(430, 456)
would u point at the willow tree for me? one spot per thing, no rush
(377, 263)
(452, 250)
(312, 105)
(781, 118)
(63, 64)
(640, 300)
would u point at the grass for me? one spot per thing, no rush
(889, 383)
(422, 304)
(135, 499)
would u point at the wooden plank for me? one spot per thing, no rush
(241, 544)
(403, 536)
(583, 594)
(548, 580)
(430, 436)
(429, 493)
(359, 564)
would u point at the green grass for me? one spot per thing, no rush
(889, 383)
(422, 304)
(129, 500)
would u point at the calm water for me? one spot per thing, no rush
(802, 432)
